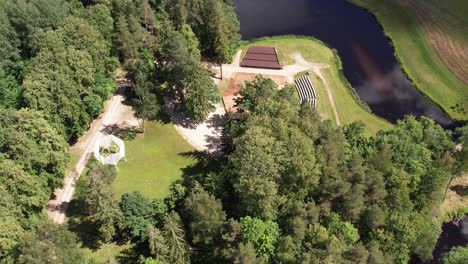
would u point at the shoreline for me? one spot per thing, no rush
(337, 62)
(351, 107)
(404, 67)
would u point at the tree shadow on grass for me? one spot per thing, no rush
(129, 255)
(460, 190)
(86, 231)
(132, 254)
(118, 130)
(203, 171)
(204, 164)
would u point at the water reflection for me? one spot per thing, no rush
(368, 60)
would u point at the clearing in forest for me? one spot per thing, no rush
(155, 160)
(336, 99)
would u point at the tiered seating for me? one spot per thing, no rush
(306, 91)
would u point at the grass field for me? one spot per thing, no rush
(420, 49)
(111, 251)
(348, 107)
(154, 161)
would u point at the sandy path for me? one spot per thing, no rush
(115, 113)
(205, 136)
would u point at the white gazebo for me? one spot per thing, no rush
(109, 150)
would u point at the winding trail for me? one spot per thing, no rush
(116, 113)
(317, 69)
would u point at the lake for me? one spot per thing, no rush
(368, 58)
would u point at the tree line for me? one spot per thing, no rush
(290, 188)
(57, 67)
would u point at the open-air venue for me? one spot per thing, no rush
(306, 90)
(216, 131)
(261, 57)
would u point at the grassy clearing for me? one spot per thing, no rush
(456, 201)
(348, 106)
(110, 251)
(323, 104)
(154, 161)
(416, 55)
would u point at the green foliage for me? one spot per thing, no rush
(28, 192)
(220, 31)
(139, 213)
(63, 83)
(28, 140)
(286, 250)
(146, 102)
(257, 169)
(190, 85)
(199, 95)
(206, 217)
(246, 254)
(175, 238)
(458, 255)
(178, 12)
(10, 92)
(9, 48)
(193, 44)
(157, 244)
(11, 229)
(101, 205)
(262, 234)
(214, 23)
(260, 89)
(93, 104)
(357, 142)
(342, 229)
(50, 244)
(99, 16)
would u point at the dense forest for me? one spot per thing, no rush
(290, 188)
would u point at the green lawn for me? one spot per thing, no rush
(154, 161)
(416, 54)
(122, 253)
(348, 107)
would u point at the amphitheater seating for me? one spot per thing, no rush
(306, 91)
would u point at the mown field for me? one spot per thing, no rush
(348, 107)
(155, 159)
(430, 39)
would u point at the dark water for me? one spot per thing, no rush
(453, 235)
(368, 60)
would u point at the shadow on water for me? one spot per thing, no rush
(368, 58)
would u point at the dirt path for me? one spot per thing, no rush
(317, 69)
(116, 113)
